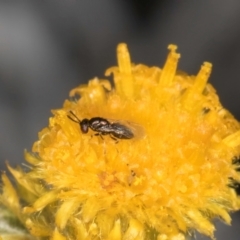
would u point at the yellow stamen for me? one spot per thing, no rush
(125, 84)
(191, 97)
(170, 67)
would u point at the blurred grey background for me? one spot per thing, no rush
(48, 47)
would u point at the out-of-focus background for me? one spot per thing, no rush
(48, 47)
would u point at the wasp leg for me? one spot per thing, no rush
(115, 139)
(100, 135)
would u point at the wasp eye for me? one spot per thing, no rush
(84, 125)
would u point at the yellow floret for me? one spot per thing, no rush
(173, 177)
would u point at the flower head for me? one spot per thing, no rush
(174, 173)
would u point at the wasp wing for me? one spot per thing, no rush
(137, 130)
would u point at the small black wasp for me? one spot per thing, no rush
(116, 129)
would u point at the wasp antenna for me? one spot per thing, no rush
(77, 120)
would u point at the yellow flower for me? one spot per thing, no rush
(174, 175)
